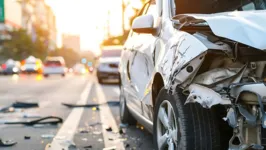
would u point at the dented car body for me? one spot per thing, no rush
(214, 59)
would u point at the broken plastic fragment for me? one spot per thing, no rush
(26, 137)
(122, 125)
(48, 136)
(205, 96)
(109, 129)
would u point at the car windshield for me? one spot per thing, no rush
(111, 53)
(52, 62)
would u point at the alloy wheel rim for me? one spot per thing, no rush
(167, 127)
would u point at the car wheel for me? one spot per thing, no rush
(100, 80)
(46, 75)
(125, 115)
(180, 126)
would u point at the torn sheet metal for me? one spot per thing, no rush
(244, 92)
(183, 48)
(246, 27)
(220, 77)
(205, 96)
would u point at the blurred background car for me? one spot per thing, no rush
(10, 67)
(54, 65)
(31, 65)
(79, 69)
(108, 63)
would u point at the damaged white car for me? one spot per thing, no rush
(193, 73)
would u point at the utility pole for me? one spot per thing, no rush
(123, 17)
(108, 24)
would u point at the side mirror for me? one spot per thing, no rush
(144, 24)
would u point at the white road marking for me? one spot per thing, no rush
(108, 119)
(64, 137)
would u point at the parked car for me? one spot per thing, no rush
(54, 65)
(10, 67)
(196, 80)
(31, 65)
(108, 63)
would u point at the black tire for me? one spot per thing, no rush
(100, 80)
(63, 75)
(197, 126)
(125, 115)
(46, 75)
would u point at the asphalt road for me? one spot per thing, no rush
(82, 128)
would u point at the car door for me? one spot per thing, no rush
(142, 65)
(129, 87)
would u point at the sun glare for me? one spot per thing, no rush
(89, 19)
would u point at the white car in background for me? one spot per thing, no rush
(108, 63)
(54, 65)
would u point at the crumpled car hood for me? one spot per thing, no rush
(246, 27)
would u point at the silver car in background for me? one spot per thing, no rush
(108, 63)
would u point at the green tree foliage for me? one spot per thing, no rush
(20, 45)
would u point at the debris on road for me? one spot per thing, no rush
(48, 136)
(25, 105)
(110, 139)
(109, 129)
(94, 124)
(7, 143)
(95, 108)
(84, 139)
(122, 125)
(100, 140)
(110, 148)
(127, 145)
(38, 121)
(110, 103)
(26, 137)
(11, 108)
(89, 146)
(97, 132)
(121, 131)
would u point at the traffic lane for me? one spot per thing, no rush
(55, 91)
(134, 136)
(27, 86)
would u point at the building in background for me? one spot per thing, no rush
(71, 41)
(27, 14)
(10, 17)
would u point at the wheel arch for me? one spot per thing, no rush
(157, 85)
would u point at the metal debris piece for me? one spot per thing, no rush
(89, 146)
(26, 137)
(7, 143)
(110, 139)
(109, 129)
(48, 136)
(122, 125)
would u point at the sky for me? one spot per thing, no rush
(88, 18)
